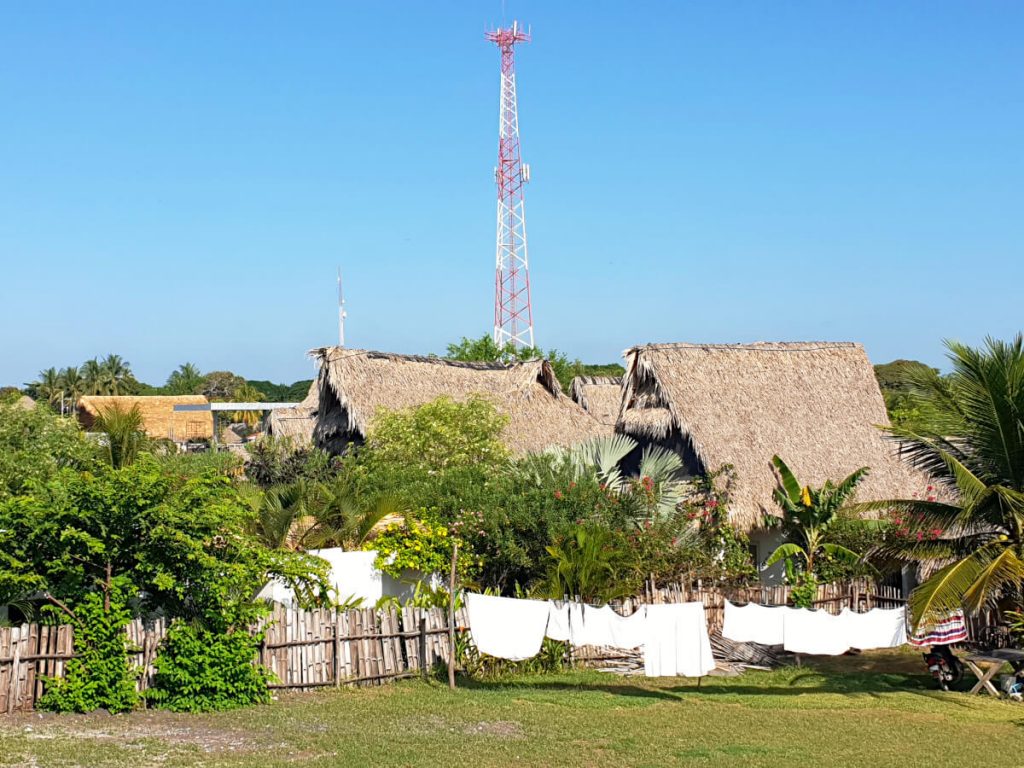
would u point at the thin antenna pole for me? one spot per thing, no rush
(341, 312)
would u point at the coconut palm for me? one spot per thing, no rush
(92, 377)
(115, 374)
(970, 438)
(807, 514)
(246, 393)
(186, 380)
(72, 384)
(48, 386)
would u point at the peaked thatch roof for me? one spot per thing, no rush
(600, 396)
(817, 405)
(354, 384)
(297, 423)
(159, 419)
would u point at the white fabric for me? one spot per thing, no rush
(505, 627)
(676, 641)
(878, 628)
(754, 623)
(558, 621)
(629, 631)
(814, 632)
(591, 626)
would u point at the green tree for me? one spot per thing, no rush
(116, 375)
(583, 565)
(221, 385)
(896, 380)
(970, 438)
(807, 516)
(187, 379)
(123, 431)
(73, 386)
(48, 387)
(35, 444)
(92, 377)
(485, 350)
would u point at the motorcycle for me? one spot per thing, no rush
(945, 667)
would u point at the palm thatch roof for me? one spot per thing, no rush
(817, 405)
(600, 396)
(159, 419)
(354, 384)
(297, 423)
(26, 403)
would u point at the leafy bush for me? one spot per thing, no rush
(421, 545)
(198, 670)
(99, 677)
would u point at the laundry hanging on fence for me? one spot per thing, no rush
(952, 629)
(591, 626)
(877, 628)
(505, 627)
(676, 641)
(558, 621)
(753, 623)
(814, 632)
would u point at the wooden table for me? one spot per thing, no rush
(987, 665)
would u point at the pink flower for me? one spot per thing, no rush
(558, 495)
(713, 503)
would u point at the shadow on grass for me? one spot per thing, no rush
(810, 682)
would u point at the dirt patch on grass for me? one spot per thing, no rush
(130, 731)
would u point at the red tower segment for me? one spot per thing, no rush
(513, 315)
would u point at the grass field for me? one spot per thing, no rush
(872, 710)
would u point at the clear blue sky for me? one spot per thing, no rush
(179, 180)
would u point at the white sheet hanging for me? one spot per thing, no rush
(591, 626)
(814, 632)
(878, 628)
(754, 623)
(558, 621)
(676, 641)
(629, 631)
(505, 627)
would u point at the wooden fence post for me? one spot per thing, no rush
(422, 651)
(451, 618)
(337, 650)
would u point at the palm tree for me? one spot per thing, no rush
(49, 386)
(92, 377)
(115, 374)
(807, 514)
(186, 380)
(661, 470)
(246, 393)
(584, 565)
(72, 384)
(124, 433)
(970, 438)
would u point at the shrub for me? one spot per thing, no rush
(198, 670)
(99, 677)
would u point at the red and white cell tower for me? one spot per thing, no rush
(513, 316)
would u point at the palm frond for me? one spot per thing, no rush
(1005, 568)
(944, 592)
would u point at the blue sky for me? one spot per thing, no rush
(178, 181)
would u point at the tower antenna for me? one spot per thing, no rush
(342, 314)
(513, 313)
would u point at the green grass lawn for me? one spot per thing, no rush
(873, 710)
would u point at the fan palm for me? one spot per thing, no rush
(970, 438)
(807, 514)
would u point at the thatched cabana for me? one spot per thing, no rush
(296, 423)
(354, 384)
(817, 405)
(159, 419)
(600, 396)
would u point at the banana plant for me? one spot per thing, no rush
(807, 514)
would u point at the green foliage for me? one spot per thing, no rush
(583, 565)
(439, 435)
(180, 543)
(282, 393)
(99, 677)
(123, 432)
(421, 545)
(725, 554)
(35, 445)
(804, 590)
(221, 385)
(111, 376)
(186, 380)
(970, 437)
(896, 380)
(807, 516)
(275, 461)
(199, 670)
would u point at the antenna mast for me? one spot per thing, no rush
(513, 314)
(342, 314)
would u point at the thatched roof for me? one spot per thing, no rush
(817, 405)
(159, 418)
(26, 403)
(600, 396)
(296, 423)
(354, 384)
